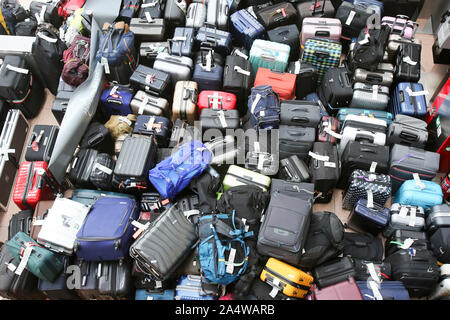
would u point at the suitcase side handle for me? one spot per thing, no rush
(296, 133)
(322, 33)
(300, 119)
(408, 136)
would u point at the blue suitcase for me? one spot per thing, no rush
(389, 290)
(182, 41)
(365, 219)
(154, 125)
(116, 101)
(89, 197)
(218, 40)
(246, 28)
(382, 115)
(106, 234)
(408, 99)
(143, 294)
(208, 79)
(189, 287)
(411, 194)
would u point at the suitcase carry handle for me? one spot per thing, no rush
(344, 78)
(322, 33)
(300, 119)
(296, 133)
(267, 57)
(363, 137)
(374, 78)
(320, 54)
(408, 136)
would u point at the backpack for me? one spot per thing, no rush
(264, 107)
(7, 22)
(174, 173)
(76, 61)
(324, 241)
(206, 187)
(116, 44)
(223, 252)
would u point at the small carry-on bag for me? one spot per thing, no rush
(363, 246)
(425, 194)
(282, 83)
(368, 219)
(440, 245)
(97, 137)
(114, 280)
(354, 18)
(184, 105)
(161, 248)
(375, 188)
(374, 97)
(296, 141)
(336, 90)
(287, 35)
(39, 261)
(293, 169)
(217, 14)
(33, 183)
(346, 290)
(182, 41)
(408, 62)
(76, 61)
(97, 241)
(219, 119)
(60, 227)
(238, 176)
(409, 99)
(386, 290)
(333, 272)
(307, 76)
(179, 68)
(329, 28)
(41, 143)
(196, 15)
(264, 107)
(324, 166)
(289, 280)
(408, 131)
(116, 101)
(20, 221)
(159, 127)
(148, 30)
(438, 217)
(277, 15)
(151, 81)
(405, 217)
(442, 290)
(208, 70)
(315, 9)
(270, 55)
(399, 240)
(144, 103)
(149, 50)
(285, 227)
(216, 100)
(246, 28)
(370, 270)
(102, 171)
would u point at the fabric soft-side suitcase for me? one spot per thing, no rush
(179, 68)
(346, 290)
(353, 18)
(136, 158)
(329, 28)
(146, 104)
(413, 194)
(333, 272)
(409, 98)
(370, 96)
(20, 221)
(411, 218)
(149, 50)
(101, 173)
(154, 7)
(217, 14)
(307, 76)
(100, 241)
(386, 290)
(237, 176)
(82, 165)
(336, 90)
(159, 127)
(296, 141)
(89, 197)
(145, 30)
(440, 244)
(438, 217)
(283, 232)
(175, 14)
(45, 11)
(363, 246)
(324, 166)
(408, 62)
(182, 41)
(300, 190)
(293, 169)
(371, 270)
(208, 70)
(184, 106)
(246, 28)
(151, 81)
(314, 9)
(41, 143)
(280, 14)
(408, 131)
(33, 184)
(289, 280)
(269, 55)
(282, 83)
(288, 35)
(237, 79)
(97, 137)
(161, 247)
(213, 38)
(368, 219)
(116, 100)
(196, 15)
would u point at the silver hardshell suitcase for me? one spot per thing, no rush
(147, 104)
(179, 68)
(217, 14)
(196, 15)
(405, 217)
(394, 41)
(369, 96)
(383, 76)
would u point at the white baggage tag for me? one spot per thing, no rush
(242, 55)
(246, 226)
(407, 243)
(105, 64)
(37, 17)
(417, 93)
(376, 292)
(373, 166)
(369, 199)
(408, 60)
(318, 156)
(375, 92)
(261, 162)
(39, 222)
(419, 183)
(208, 61)
(350, 17)
(332, 133)
(230, 263)
(179, 38)
(149, 124)
(102, 168)
(123, 119)
(149, 298)
(189, 213)
(297, 67)
(412, 218)
(139, 225)
(24, 261)
(158, 284)
(11, 266)
(274, 292)
(373, 273)
(142, 105)
(256, 147)
(148, 17)
(403, 212)
(330, 164)
(365, 40)
(241, 71)
(5, 152)
(113, 90)
(150, 4)
(254, 104)
(42, 14)
(222, 119)
(48, 39)
(17, 69)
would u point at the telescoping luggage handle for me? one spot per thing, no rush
(316, 5)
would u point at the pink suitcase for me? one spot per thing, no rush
(400, 25)
(347, 290)
(329, 28)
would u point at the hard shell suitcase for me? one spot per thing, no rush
(154, 8)
(296, 141)
(217, 14)
(408, 131)
(175, 14)
(184, 106)
(277, 15)
(179, 68)
(196, 15)
(289, 280)
(413, 194)
(386, 290)
(263, 291)
(334, 271)
(238, 79)
(208, 70)
(383, 75)
(270, 55)
(33, 184)
(282, 83)
(289, 35)
(329, 28)
(293, 169)
(301, 190)
(314, 9)
(151, 81)
(161, 247)
(376, 5)
(146, 104)
(218, 40)
(307, 76)
(370, 270)
(61, 225)
(368, 219)
(347, 290)
(324, 166)
(142, 294)
(410, 8)
(116, 101)
(216, 100)
(100, 241)
(114, 280)
(237, 176)
(363, 246)
(400, 25)
(408, 62)
(97, 137)
(394, 42)
(438, 217)
(370, 96)
(409, 98)
(81, 168)
(405, 217)
(328, 129)
(89, 280)
(156, 126)
(148, 30)
(40, 213)
(102, 171)
(219, 119)
(41, 143)
(192, 287)
(442, 290)
(377, 114)
(149, 50)
(61, 101)
(246, 28)
(283, 232)
(336, 90)
(183, 41)
(20, 221)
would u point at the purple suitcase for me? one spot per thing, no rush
(329, 28)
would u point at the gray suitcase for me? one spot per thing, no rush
(196, 15)
(302, 190)
(217, 14)
(299, 113)
(179, 68)
(369, 96)
(405, 217)
(383, 76)
(285, 227)
(296, 141)
(182, 41)
(114, 280)
(394, 42)
(438, 217)
(144, 30)
(147, 104)
(408, 131)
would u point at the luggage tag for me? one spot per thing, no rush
(105, 64)
(5, 153)
(369, 199)
(208, 61)
(240, 54)
(319, 157)
(373, 273)
(365, 40)
(230, 262)
(417, 93)
(127, 121)
(275, 288)
(375, 290)
(148, 17)
(12, 267)
(215, 101)
(113, 90)
(17, 69)
(42, 14)
(419, 183)
(407, 244)
(150, 4)
(297, 67)
(412, 218)
(403, 212)
(241, 71)
(102, 168)
(255, 103)
(375, 92)
(332, 133)
(222, 119)
(140, 228)
(408, 60)
(283, 12)
(25, 257)
(372, 175)
(143, 104)
(350, 18)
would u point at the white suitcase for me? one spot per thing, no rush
(196, 15)
(442, 290)
(217, 14)
(357, 134)
(60, 227)
(179, 68)
(238, 176)
(405, 217)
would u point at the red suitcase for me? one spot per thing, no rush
(210, 99)
(31, 185)
(328, 129)
(347, 290)
(67, 7)
(282, 83)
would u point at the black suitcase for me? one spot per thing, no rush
(336, 90)
(362, 155)
(294, 169)
(182, 41)
(362, 267)
(88, 289)
(315, 9)
(277, 15)
(175, 15)
(153, 7)
(20, 222)
(26, 28)
(360, 17)
(151, 201)
(114, 280)
(136, 158)
(61, 101)
(299, 113)
(163, 153)
(153, 125)
(289, 35)
(101, 174)
(49, 14)
(219, 119)
(307, 77)
(394, 243)
(98, 137)
(151, 80)
(440, 244)
(296, 141)
(325, 172)
(408, 131)
(410, 8)
(332, 272)
(408, 62)
(41, 143)
(302, 190)
(418, 271)
(149, 50)
(4, 108)
(363, 246)
(81, 168)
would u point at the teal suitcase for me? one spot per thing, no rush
(269, 55)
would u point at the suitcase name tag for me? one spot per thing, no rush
(375, 290)
(5, 153)
(103, 169)
(127, 121)
(408, 60)
(241, 71)
(417, 93)
(105, 64)
(150, 4)
(142, 105)
(17, 69)
(242, 55)
(148, 17)
(350, 18)
(419, 183)
(222, 119)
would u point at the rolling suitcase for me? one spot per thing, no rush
(394, 42)
(213, 38)
(409, 99)
(99, 241)
(184, 106)
(282, 83)
(269, 55)
(20, 222)
(216, 100)
(89, 281)
(237, 79)
(413, 194)
(301, 190)
(246, 28)
(237, 176)
(101, 174)
(142, 294)
(324, 166)
(377, 114)
(354, 18)
(407, 130)
(151, 81)
(289, 280)
(61, 101)
(283, 232)
(293, 169)
(400, 25)
(440, 244)
(314, 9)
(114, 280)
(387, 290)
(296, 141)
(208, 70)
(196, 15)
(146, 30)
(370, 96)
(336, 90)
(219, 119)
(383, 75)
(346, 290)
(217, 14)
(179, 68)
(329, 28)
(363, 246)
(438, 217)
(41, 143)
(182, 132)
(289, 35)
(370, 270)
(376, 5)
(328, 128)
(97, 137)
(182, 41)
(368, 219)
(175, 14)
(334, 271)
(159, 127)
(116, 100)
(149, 50)
(81, 168)
(405, 217)
(277, 15)
(408, 62)
(194, 287)
(146, 104)
(307, 76)
(262, 157)
(88, 197)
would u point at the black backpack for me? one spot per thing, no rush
(206, 187)
(363, 246)
(324, 241)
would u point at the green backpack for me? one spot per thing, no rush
(43, 263)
